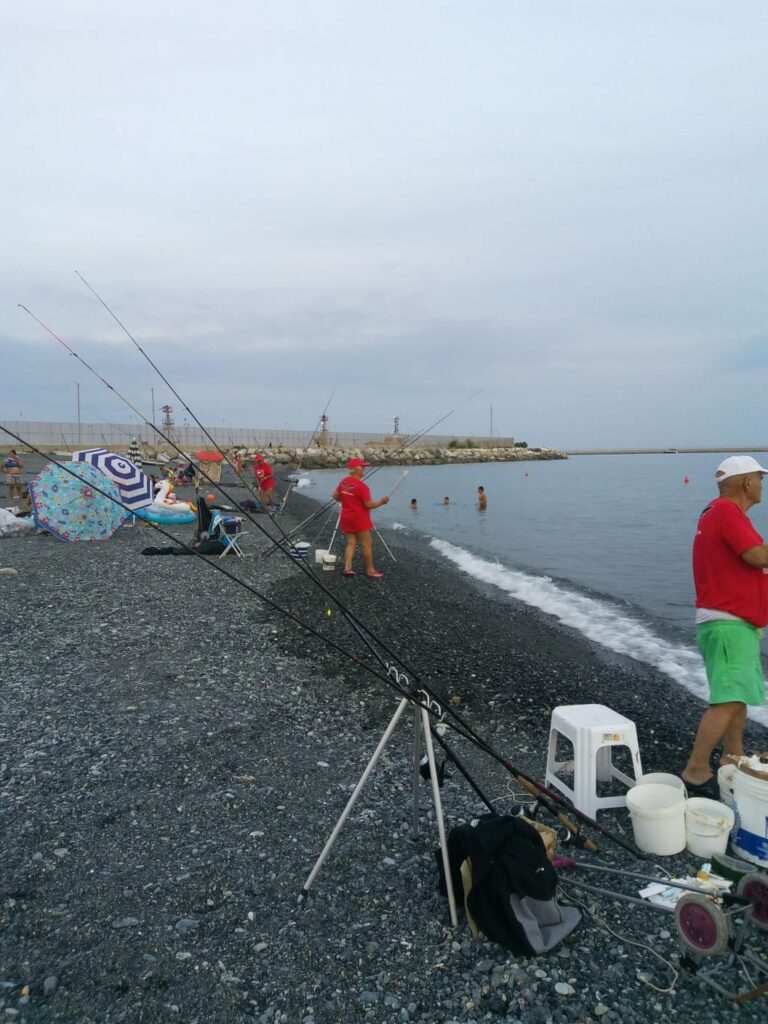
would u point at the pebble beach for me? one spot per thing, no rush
(174, 754)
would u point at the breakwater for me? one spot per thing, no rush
(331, 458)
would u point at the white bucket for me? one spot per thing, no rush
(658, 818)
(329, 562)
(300, 549)
(750, 837)
(725, 782)
(708, 824)
(663, 779)
(319, 555)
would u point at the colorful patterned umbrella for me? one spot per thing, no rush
(134, 486)
(70, 507)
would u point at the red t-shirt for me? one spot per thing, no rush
(355, 517)
(724, 581)
(263, 473)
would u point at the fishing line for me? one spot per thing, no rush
(419, 696)
(306, 449)
(353, 621)
(412, 440)
(360, 629)
(356, 625)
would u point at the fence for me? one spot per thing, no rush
(68, 436)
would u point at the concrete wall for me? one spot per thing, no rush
(53, 435)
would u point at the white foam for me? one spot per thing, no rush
(595, 619)
(399, 526)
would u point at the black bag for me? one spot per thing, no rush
(510, 894)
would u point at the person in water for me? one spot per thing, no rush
(446, 500)
(482, 500)
(730, 560)
(355, 520)
(414, 504)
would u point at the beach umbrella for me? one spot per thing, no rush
(134, 453)
(134, 486)
(70, 507)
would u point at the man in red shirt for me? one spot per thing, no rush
(355, 519)
(266, 482)
(730, 571)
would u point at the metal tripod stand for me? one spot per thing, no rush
(421, 725)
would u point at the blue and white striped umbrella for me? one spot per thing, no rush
(134, 486)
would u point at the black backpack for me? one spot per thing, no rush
(510, 894)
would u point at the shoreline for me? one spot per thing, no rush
(176, 754)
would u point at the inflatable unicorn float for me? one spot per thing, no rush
(166, 509)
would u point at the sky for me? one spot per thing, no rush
(561, 205)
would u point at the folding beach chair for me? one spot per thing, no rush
(228, 530)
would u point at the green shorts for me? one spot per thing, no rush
(731, 652)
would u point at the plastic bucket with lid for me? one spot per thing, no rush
(663, 779)
(319, 553)
(750, 837)
(658, 818)
(725, 782)
(708, 824)
(300, 549)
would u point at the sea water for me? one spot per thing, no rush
(601, 542)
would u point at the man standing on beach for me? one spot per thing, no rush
(266, 482)
(730, 572)
(355, 519)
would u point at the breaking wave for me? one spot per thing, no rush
(595, 619)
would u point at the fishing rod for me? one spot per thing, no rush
(362, 631)
(285, 536)
(411, 440)
(355, 624)
(390, 678)
(421, 697)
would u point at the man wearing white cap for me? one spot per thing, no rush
(730, 572)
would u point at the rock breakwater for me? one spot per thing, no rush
(331, 458)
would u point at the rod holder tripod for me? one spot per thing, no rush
(420, 728)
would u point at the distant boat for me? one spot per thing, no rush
(671, 451)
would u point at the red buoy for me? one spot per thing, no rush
(686, 480)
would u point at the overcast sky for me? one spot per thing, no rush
(561, 203)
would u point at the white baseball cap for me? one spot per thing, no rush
(737, 465)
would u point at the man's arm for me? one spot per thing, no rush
(756, 556)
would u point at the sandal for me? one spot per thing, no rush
(348, 572)
(375, 575)
(709, 789)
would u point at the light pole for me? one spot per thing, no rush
(153, 405)
(79, 432)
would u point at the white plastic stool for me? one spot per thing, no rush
(593, 729)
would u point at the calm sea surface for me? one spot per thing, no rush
(601, 542)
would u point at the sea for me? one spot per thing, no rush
(600, 542)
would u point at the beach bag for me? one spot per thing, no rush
(500, 865)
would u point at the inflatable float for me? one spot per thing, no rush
(167, 511)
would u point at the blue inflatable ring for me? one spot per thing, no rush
(166, 518)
